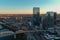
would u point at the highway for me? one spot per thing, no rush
(17, 32)
(6, 33)
(13, 31)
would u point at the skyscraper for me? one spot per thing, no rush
(36, 10)
(53, 16)
(36, 16)
(49, 20)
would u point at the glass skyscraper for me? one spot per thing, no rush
(36, 16)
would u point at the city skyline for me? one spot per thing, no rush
(26, 6)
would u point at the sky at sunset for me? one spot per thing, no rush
(26, 6)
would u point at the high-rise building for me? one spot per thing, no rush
(49, 20)
(53, 16)
(36, 16)
(36, 10)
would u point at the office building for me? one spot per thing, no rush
(49, 20)
(36, 16)
(36, 10)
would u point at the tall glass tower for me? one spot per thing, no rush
(36, 16)
(36, 10)
(49, 20)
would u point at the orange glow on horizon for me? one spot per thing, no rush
(22, 12)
